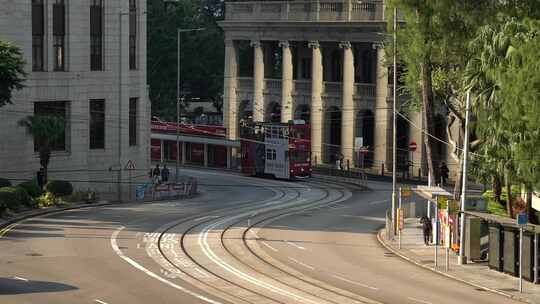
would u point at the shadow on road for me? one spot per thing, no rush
(11, 286)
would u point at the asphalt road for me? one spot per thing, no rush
(308, 242)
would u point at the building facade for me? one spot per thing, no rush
(322, 61)
(86, 62)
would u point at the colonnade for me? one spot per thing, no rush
(348, 107)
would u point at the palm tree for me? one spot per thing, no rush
(45, 130)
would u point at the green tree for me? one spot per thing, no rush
(432, 46)
(45, 130)
(12, 73)
(201, 52)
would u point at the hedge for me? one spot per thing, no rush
(4, 183)
(31, 188)
(59, 188)
(13, 198)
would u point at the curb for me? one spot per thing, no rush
(412, 261)
(18, 219)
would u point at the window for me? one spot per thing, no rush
(132, 35)
(271, 154)
(38, 35)
(97, 124)
(52, 108)
(96, 35)
(59, 33)
(133, 121)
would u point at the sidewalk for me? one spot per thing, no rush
(476, 274)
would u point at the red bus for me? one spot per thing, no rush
(281, 150)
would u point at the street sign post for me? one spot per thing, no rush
(412, 148)
(522, 220)
(130, 166)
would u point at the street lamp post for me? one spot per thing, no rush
(179, 99)
(394, 124)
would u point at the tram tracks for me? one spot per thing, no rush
(255, 278)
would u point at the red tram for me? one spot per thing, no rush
(282, 150)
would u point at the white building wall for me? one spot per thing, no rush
(77, 85)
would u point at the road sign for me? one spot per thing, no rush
(522, 219)
(412, 146)
(130, 165)
(406, 192)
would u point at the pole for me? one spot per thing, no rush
(447, 232)
(394, 122)
(436, 240)
(177, 104)
(462, 259)
(535, 262)
(399, 219)
(521, 258)
(120, 58)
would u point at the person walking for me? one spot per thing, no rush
(426, 229)
(156, 174)
(444, 173)
(165, 174)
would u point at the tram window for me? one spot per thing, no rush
(268, 154)
(300, 156)
(274, 154)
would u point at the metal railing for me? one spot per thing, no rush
(366, 90)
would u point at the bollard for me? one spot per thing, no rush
(419, 173)
(348, 165)
(382, 169)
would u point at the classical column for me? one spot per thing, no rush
(383, 116)
(316, 101)
(230, 105)
(258, 81)
(286, 82)
(347, 112)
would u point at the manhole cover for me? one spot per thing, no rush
(389, 254)
(34, 254)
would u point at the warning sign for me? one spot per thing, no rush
(130, 165)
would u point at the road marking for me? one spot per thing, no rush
(101, 302)
(300, 263)
(266, 244)
(119, 252)
(138, 245)
(379, 202)
(418, 300)
(205, 217)
(293, 244)
(203, 243)
(355, 283)
(369, 218)
(7, 229)
(21, 279)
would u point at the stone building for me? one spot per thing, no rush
(322, 61)
(86, 62)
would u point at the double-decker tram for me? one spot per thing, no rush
(281, 150)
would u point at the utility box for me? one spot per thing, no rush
(472, 238)
(528, 256)
(495, 252)
(511, 251)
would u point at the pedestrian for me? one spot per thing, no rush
(338, 162)
(156, 174)
(164, 174)
(426, 229)
(341, 162)
(40, 177)
(444, 173)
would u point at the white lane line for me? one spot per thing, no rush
(101, 302)
(355, 283)
(272, 248)
(201, 272)
(302, 264)
(418, 300)
(21, 279)
(379, 202)
(203, 243)
(363, 217)
(294, 245)
(138, 245)
(117, 250)
(205, 217)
